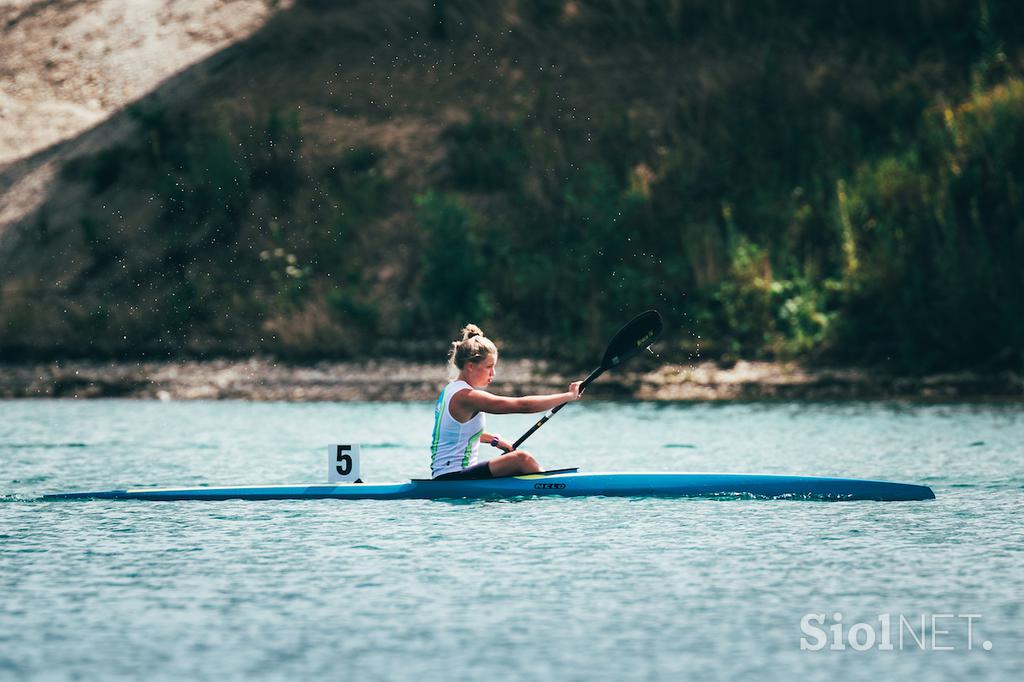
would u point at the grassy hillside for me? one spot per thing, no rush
(790, 179)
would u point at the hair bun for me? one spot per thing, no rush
(471, 330)
(473, 347)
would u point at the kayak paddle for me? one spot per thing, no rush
(638, 334)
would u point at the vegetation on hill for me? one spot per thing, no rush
(838, 182)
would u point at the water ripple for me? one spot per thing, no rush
(550, 588)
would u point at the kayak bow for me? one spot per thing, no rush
(561, 483)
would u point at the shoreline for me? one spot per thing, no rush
(259, 379)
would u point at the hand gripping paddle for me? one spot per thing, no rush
(638, 334)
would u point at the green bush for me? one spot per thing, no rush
(765, 316)
(484, 154)
(940, 228)
(360, 190)
(454, 284)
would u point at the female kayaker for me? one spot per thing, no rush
(459, 414)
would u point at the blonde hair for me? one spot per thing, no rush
(473, 347)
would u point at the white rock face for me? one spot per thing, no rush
(67, 66)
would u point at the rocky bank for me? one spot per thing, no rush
(265, 379)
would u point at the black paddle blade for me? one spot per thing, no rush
(638, 334)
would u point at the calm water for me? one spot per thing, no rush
(561, 589)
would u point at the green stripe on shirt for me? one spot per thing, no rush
(438, 408)
(475, 438)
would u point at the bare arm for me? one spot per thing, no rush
(501, 444)
(467, 403)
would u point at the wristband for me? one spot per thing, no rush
(495, 439)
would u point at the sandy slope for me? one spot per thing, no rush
(66, 65)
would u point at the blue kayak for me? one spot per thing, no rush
(564, 483)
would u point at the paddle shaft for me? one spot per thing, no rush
(639, 333)
(551, 413)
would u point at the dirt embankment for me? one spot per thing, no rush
(69, 64)
(260, 379)
(67, 67)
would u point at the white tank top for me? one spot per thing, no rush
(454, 445)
